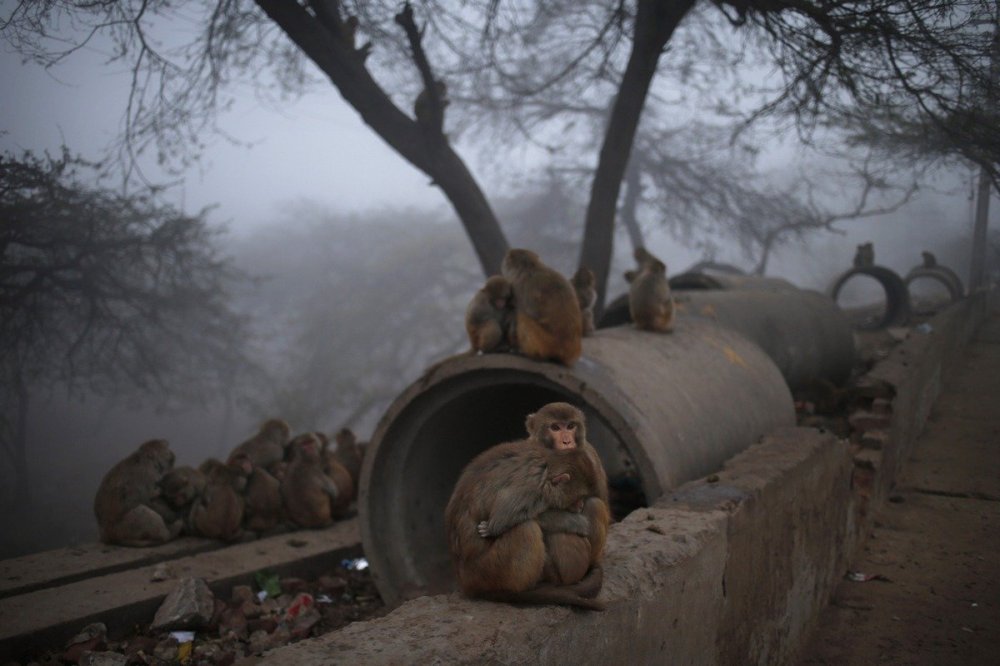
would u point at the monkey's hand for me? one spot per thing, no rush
(484, 529)
(556, 520)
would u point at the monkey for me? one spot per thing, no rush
(650, 303)
(218, 513)
(422, 109)
(350, 453)
(865, 255)
(584, 284)
(488, 315)
(307, 492)
(574, 541)
(345, 483)
(267, 446)
(263, 507)
(930, 261)
(513, 484)
(181, 487)
(128, 505)
(547, 324)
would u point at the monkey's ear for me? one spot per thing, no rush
(529, 423)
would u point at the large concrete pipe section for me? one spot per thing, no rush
(661, 409)
(708, 280)
(897, 296)
(936, 273)
(804, 332)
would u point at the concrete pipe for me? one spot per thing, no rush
(715, 267)
(661, 409)
(897, 296)
(804, 332)
(704, 280)
(940, 274)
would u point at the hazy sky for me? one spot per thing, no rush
(316, 148)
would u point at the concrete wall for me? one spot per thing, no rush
(732, 569)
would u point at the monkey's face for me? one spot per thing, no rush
(306, 446)
(561, 435)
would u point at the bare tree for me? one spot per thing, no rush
(101, 292)
(833, 56)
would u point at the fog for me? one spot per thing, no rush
(360, 269)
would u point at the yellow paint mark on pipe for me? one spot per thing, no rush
(733, 357)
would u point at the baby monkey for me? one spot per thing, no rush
(650, 302)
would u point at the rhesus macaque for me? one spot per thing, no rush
(218, 513)
(548, 325)
(930, 261)
(865, 255)
(422, 105)
(128, 505)
(571, 551)
(350, 453)
(335, 470)
(307, 492)
(584, 284)
(181, 487)
(263, 507)
(488, 315)
(513, 484)
(267, 446)
(650, 303)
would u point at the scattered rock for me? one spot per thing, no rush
(304, 622)
(243, 594)
(266, 624)
(161, 572)
(92, 638)
(103, 659)
(294, 585)
(332, 585)
(233, 622)
(190, 605)
(166, 649)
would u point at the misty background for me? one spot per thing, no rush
(355, 271)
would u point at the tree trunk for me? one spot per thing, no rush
(424, 147)
(977, 269)
(630, 202)
(655, 22)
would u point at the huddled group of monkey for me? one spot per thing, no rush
(269, 482)
(528, 520)
(534, 310)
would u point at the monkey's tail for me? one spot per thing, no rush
(546, 594)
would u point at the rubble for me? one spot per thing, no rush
(190, 605)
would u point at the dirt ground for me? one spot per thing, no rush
(935, 548)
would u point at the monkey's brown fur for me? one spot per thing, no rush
(865, 255)
(930, 261)
(586, 294)
(128, 504)
(512, 484)
(548, 325)
(264, 508)
(181, 487)
(650, 303)
(267, 446)
(218, 513)
(487, 317)
(307, 492)
(350, 453)
(343, 480)
(572, 551)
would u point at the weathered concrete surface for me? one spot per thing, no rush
(911, 377)
(49, 616)
(681, 579)
(66, 565)
(937, 542)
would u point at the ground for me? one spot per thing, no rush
(935, 547)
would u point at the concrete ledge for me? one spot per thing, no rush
(681, 579)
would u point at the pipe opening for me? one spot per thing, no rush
(930, 288)
(427, 444)
(874, 297)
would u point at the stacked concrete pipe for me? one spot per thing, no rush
(897, 296)
(661, 408)
(937, 273)
(803, 331)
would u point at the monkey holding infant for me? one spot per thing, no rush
(528, 520)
